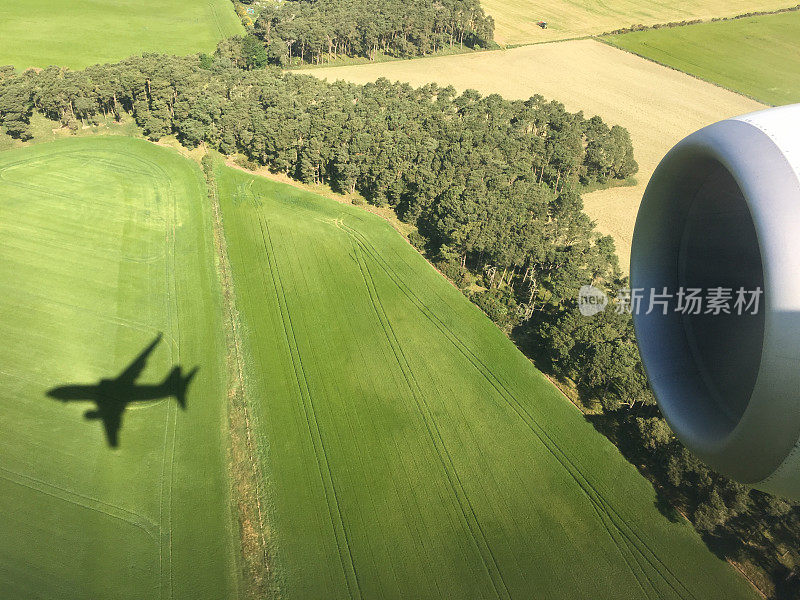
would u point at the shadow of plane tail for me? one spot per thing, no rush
(178, 384)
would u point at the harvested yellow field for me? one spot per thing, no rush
(658, 105)
(516, 20)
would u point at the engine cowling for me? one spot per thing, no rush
(722, 211)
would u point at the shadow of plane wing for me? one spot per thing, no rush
(66, 393)
(133, 370)
(111, 415)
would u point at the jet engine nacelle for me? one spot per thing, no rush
(722, 214)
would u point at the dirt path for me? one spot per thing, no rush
(247, 478)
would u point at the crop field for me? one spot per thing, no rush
(516, 20)
(411, 450)
(658, 105)
(104, 245)
(78, 33)
(757, 56)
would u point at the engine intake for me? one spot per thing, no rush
(723, 210)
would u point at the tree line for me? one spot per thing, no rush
(493, 187)
(488, 179)
(316, 31)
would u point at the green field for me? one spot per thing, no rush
(410, 450)
(104, 243)
(78, 33)
(756, 56)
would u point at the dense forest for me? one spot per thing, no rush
(493, 187)
(316, 31)
(488, 179)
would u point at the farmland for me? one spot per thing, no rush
(756, 56)
(658, 105)
(79, 33)
(515, 21)
(104, 244)
(409, 449)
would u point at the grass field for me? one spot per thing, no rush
(757, 56)
(515, 20)
(77, 33)
(411, 450)
(104, 243)
(658, 105)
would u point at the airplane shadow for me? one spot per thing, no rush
(112, 396)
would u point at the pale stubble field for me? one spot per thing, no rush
(658, 105)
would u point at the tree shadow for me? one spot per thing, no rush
(112, 396)
(621, 434)
(665, 508)
(723, 544)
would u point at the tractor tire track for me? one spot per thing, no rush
(594, 496)
(84, 501)
(167, 211)
(323, 464)
(465, 505)
(626, 531)
(414, 504)
(598, 502)
(170, 419)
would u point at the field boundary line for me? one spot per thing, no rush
(308, 69)
(677, 70)
(698, 21)
(246, 472)
(741, 572)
